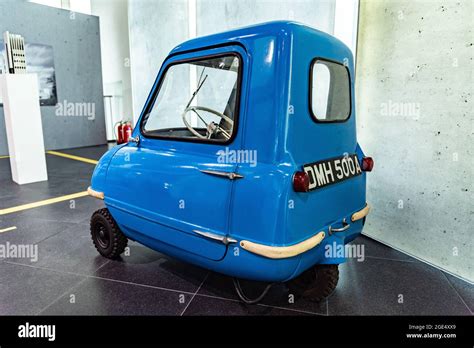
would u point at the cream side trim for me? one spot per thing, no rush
(95, 194)
(274, 252)
(361, 213)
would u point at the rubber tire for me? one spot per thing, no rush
(316, 283)
(117, 240)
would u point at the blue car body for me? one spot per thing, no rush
(159, 194)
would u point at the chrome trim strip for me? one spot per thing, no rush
(344, 227)
(223, 239)
(230, 176)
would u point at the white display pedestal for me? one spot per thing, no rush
(24, 127)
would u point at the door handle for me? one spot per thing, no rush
(344, 227)
(230, 176)
(224, 239)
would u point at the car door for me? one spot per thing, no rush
(175, 186)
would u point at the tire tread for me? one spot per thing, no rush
(316, 283)
(118, 239)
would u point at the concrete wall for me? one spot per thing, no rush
(76, 44)
(415, 117)
(156, 26)
(219, 15)
(115, 48)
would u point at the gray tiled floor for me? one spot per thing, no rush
(147, 267)
(71, 278)
(104, 297)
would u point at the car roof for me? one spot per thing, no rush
(247, 35)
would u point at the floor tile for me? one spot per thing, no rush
(22, 197)
(8, 188)
(65, 177)
(29, 230)
(375, 286)
(278, 296)
(71, 250)
(78, 210)
(464, 289)
(91, 152)
(60, 185)
(201, 305)
(375, 249)
(145, 266)
(103, 297)
(26, 290)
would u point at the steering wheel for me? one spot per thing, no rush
(211, 127)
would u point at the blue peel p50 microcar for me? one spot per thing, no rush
(244, 160)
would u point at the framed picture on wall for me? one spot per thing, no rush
(39, 60)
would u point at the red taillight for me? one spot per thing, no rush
(367, 164)
(301, 182)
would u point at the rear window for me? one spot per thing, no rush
(330, 91)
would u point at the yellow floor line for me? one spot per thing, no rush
(42, 203)
(77, 158)
(8, 229)
(56, 153)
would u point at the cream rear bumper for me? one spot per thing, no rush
(282, 252)
(361, 213)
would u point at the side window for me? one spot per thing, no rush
(197, 100)
(330, 91)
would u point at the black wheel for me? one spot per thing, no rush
(316, 283)
(109, 241)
